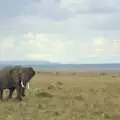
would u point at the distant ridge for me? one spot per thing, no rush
(49, 66)
(24, 62)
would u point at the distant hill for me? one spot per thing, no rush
(48, 66)
(23, 62)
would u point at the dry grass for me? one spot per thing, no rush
(67, 96)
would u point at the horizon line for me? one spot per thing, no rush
(52, 62)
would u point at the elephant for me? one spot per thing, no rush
(16, 77)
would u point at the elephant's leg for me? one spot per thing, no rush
(19, 93)
(23, 92)
(1, 94)
(11, 90)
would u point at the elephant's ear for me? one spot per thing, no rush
(13, 71)
(15, 75)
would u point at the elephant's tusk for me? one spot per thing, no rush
(28, 86)
(22, 84)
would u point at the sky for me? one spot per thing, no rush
(64, 31)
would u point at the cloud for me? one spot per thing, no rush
(50, 16)
(62, 31)
(49, 9)
(12, 8)
(92, 6)
(47, 47)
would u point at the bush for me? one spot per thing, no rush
(43, 94)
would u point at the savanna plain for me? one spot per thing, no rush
(67, 96)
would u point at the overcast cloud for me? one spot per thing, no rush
(65, 31)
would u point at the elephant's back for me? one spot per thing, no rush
(4, 78)
(4, 73)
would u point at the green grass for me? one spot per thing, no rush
(67, 96)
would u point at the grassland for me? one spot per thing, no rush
(67, 96)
